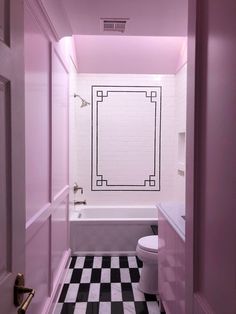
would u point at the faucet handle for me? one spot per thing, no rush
(76, 188)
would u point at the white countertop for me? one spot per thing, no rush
(173, 212)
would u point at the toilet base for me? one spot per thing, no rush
(148, 282)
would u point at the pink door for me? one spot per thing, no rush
(211, 161)
(12, 150)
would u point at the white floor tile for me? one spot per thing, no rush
(97, 262)
(129, 308)
(106, 275)
(72, 293)
(125, 275)
(94, 292)
(116, 294)
(132, 262)
(79, 262)
(86, 275)
(115, 262)
(105, 308)
(80, 308)
(68, 275)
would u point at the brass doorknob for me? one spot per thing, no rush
(19, 291)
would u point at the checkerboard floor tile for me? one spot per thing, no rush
(104, 285)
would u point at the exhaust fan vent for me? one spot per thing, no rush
(114, 25)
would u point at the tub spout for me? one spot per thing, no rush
(80, 202)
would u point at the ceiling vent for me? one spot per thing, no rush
(114, 25)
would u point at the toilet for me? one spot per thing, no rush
(147, 249)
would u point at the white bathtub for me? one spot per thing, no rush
(110, 230)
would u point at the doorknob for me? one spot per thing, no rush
(19, 291)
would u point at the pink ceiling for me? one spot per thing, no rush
(129, 54)
(146, 18)
(152, 42)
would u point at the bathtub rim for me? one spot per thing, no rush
(75, 213)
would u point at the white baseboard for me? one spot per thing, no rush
(104, 253)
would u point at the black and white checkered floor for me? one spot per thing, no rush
(104, 285)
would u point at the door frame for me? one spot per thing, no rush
(191, 146)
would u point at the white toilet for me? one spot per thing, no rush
(147, 249)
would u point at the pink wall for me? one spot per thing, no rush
(60, 94)
(37, 102)
(129, 54)
(46, 90)
(182, 60)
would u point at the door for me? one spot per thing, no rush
(211, 158)
(12, 150)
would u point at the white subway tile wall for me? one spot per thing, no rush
(80, 142)
(180, 115)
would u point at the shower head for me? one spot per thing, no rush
(84, 102)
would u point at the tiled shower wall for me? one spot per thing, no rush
(180, 120)
(81, 133)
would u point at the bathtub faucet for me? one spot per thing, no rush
(77, 188)
(80, 202)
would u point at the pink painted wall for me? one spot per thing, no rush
(182, 58)
(46, 114)
(60, 134)
(129, 54)
(37, 102)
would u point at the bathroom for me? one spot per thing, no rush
(134, 141)
(113, 165)
(127, 144)
(126, 127)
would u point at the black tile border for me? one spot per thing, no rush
(152, 178)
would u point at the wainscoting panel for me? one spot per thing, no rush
(46, 96)
(126, 138)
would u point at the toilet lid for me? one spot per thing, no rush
(149, 243)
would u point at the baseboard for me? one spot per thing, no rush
(104, 253)
(52, 301)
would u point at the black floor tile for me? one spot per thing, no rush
(68, 308)
(92, 308)
(141, 308)
(88, 263)
(63, 293)
(150, 297)
(106, 262)
(72, 262)
(124, 262)
(117, 308)
(140, 263)
(105, 292)
(115, 275)
(134, 274)
(105, 288)
(83, 292)
(127, 292)
(96, 275)
(76, 275)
